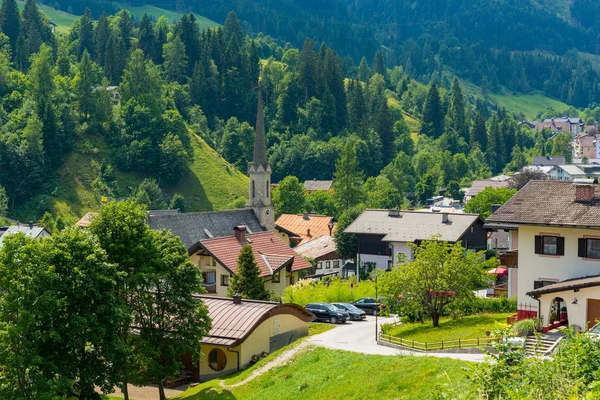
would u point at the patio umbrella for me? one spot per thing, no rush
(498, 271)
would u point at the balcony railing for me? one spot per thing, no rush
(510, 259)
(210, 287)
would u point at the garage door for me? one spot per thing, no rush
(593, 312)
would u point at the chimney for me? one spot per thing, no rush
(308, 232)
(30, 224)
(240, 233)
(444, 217)
(305, 216)
(237, 299)
(585, 191)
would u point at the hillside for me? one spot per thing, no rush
(210, 183)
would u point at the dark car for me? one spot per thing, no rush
(369, 305)
(327, 312)
(354, 313)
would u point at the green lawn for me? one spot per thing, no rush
(528, 104)
(315, 328)
(469, 327)
(62, 19)
(321, 373)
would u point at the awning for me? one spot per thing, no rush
(498, 271)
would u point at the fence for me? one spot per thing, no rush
(437, 346)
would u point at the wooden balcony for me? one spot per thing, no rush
(510, 259)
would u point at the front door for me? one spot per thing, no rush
(593, 312)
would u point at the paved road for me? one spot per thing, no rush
(359, 337)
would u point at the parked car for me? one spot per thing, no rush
(327, 312)
(369, 305)
(354, 313)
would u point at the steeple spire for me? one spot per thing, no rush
(260, 146)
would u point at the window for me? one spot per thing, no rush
(224, 280)
(252, 190)
(336, 264)
(541, 284)
(276, 277)
(217, 360)
(389, 265)
(550, 245)
(589, 248)
(268, 189)
(210, 281)
(327, 264)
(320, 265)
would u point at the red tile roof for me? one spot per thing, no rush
(307, 227)
(271, 253)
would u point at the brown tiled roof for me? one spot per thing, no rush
(270, 252)
(569, 284)
(232, 323)
(315, 185)
(308, 229)
(317, 248)
(549, 203)
(86, 220)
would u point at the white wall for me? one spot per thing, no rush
(401, 248)
(380, 261)
(534, 267)
(577, 313)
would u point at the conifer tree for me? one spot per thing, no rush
(86, 80)
(114, 61)
(495, 147)
(379, 64)
(384, 126)
(347, 180)
(356, 105)
(32, 27)
(433, 115)
(125, 26)
(101, 38)
(307, 71)
(457, 110)
(175, 60)
(246, 281)
(363, 71)
(10, 22)
(479, 134)
(146, 35)
(333, 75)
(86, 34)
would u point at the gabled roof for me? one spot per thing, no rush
(317, 248)
(305, 226)
(315, 185)
(86, 220)
(549, 203)
(569, 284)
(271, 253)
(233, 323)
(192, 227)
(411, 226)
(547, 160)
(35, 232)
(478, 186)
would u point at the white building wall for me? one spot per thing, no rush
(401, 249)
(577, 313)
(381, 262)
(533, 267)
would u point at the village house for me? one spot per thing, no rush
(384, 235)
(587, 145)
(323, 253)
(36, 232)
(555, 229)
(297, 229)
(545, 161)
(559, 125)
(501, 181)
(317, 186)
(242, 329)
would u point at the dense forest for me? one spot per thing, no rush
(322, 111)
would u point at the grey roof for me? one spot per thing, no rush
(478, 186)
(314, 185)
(192, 227)
(547, 160)
(34, 232)
(411, 226)
(549, 203)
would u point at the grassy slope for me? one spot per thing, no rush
(332, 374)
(139, 11)
(62, 19)
(469, 327)
(209, 184)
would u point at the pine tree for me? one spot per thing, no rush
(356, 105)
(115, 55)
(86, 34)
(32, 27)
(457, 110)
(204, 85)
(175, 60)
(125, 25)
(433, 114)
(101, 38)
(86, 80)
(333, 75)
(246, 281)
(232, 29)
(379, 64)
(10, 22)
(347, 180)
(307, 71)
(161, 30)
(495, 147)
(384, 126)
(363, 71)
(146, 36)
(189, 33)
(479, 136)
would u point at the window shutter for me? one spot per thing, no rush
(560, 246)
(538, 245)
(537, 284)
(581, 248)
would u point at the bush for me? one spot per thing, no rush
(307, 291)
(477, 305)
(526, 327)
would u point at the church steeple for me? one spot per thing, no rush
(259, 171)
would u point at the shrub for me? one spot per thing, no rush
(307, 291)
(476, 305)
(526, 327)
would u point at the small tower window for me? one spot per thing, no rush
(252, 189)
(268, 189)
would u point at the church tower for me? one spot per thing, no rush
(259, 171)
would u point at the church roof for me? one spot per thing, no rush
(193, 227)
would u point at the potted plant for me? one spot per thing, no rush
(563, 313)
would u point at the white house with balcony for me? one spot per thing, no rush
(555, 227)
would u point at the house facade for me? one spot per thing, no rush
(555, 227)
(242, 329)
(384, 236)
(325, 258)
